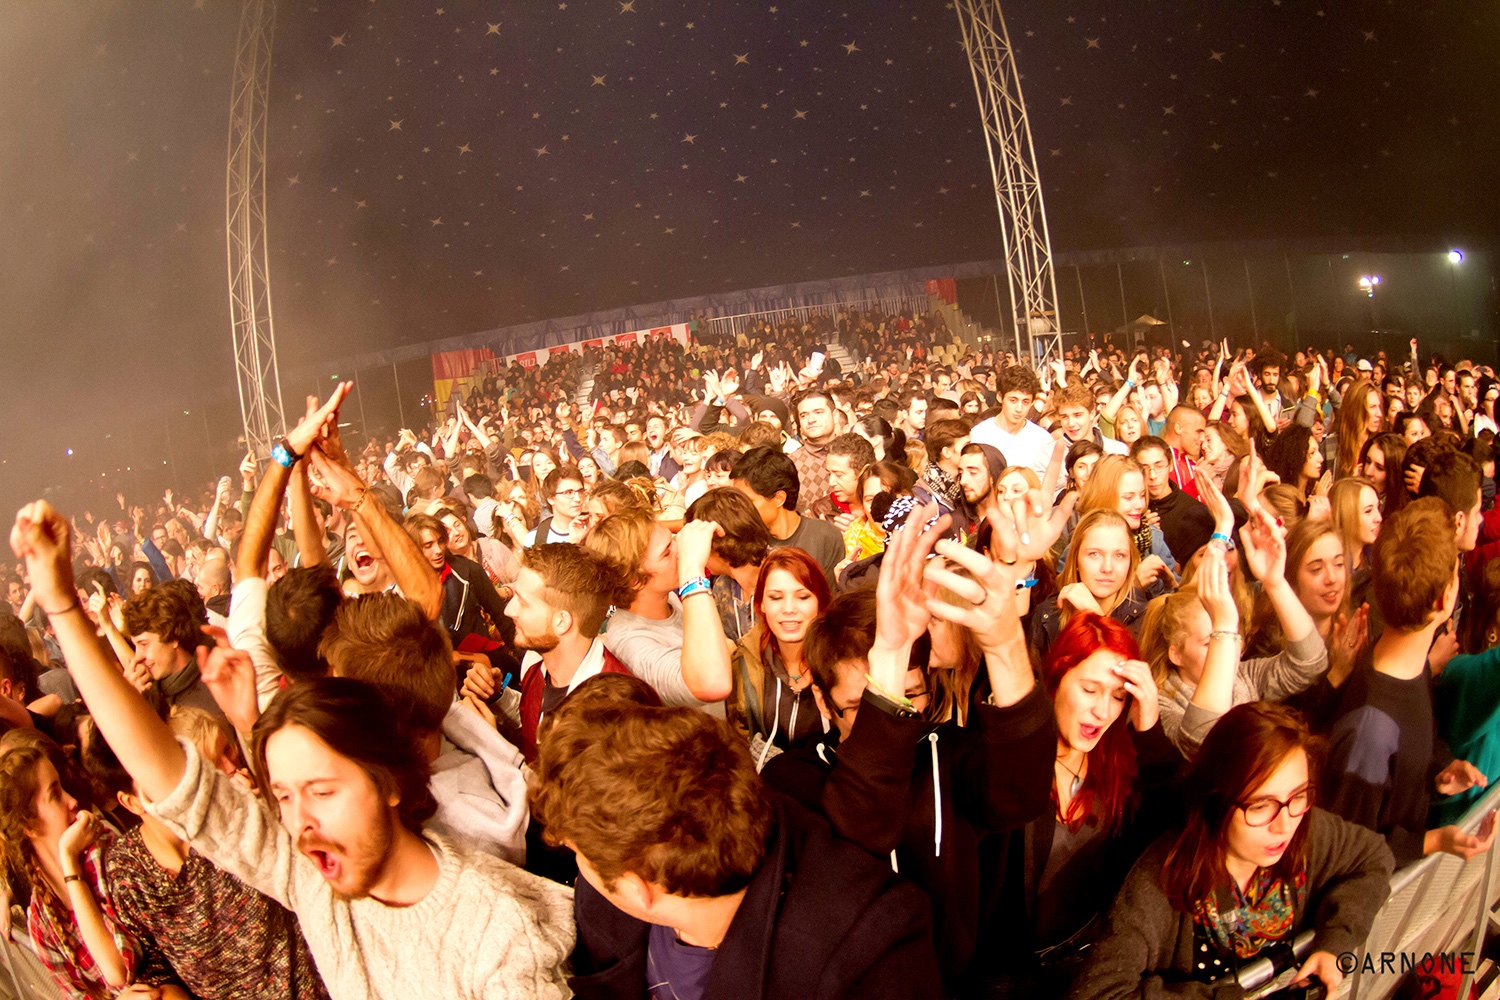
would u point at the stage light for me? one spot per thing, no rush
(70, 452)
(1455, 256)
(1368, 283)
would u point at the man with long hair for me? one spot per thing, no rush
(337, 837)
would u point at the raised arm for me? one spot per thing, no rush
(211, 523)
(1265, 553)
(310, 544)
(1214, 694)
(1024, 531)
(142, 741)
(413, 574)
(705, 651)
(1123, 393)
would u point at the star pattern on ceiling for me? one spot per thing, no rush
(460, 174)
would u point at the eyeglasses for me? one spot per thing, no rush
(1263, 812)
(568, 493)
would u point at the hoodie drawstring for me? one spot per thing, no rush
(937, 799)
(775, 722)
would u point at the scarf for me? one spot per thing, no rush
(1243, 923)
(944, 485)
(165, 692)
(1143, 538)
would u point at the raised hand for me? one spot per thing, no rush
(1026, 528)
(1146, 707)
(990, 589)
(901, 613)
(42, 538)
(1346, 638)
(1264, 543)
(314, 426)
(333, 481)
(694, 545)
(1214, 592)
(1213, 499)
(78, 837)
(1459, 776)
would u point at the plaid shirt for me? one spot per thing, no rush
(55, 934)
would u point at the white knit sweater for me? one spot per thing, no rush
(486, 930)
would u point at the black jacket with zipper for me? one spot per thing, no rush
(820, 920)
(935, 800)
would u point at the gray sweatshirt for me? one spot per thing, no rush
(1272, 678)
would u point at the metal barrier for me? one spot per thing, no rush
(25, 977)
(1441, 904)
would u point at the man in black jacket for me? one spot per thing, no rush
(698, 881)
(1186, 522)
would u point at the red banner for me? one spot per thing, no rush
(944, 288)
(457, 364)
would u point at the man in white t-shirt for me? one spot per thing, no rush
(1019, 440)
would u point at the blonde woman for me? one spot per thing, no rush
(1192, 639)
(1099, 576)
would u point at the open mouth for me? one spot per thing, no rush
(1089, 732)
(1278, 848)
(328, 865)
(363, 560)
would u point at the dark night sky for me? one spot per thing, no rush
(590, 154)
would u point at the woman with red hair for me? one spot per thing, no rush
(773, 703)
(1254, 866)
(1111, 752)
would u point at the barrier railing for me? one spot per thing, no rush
(25, 978)
(1438, 906)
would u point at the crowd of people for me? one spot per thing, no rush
(950, 675)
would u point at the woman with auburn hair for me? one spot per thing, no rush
(1099, 576)
(59, 848)
(1254, 866)
(1361, 416)
(1109, 791)
(495, 556)
(773, 702)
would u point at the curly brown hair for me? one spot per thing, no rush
(668, 794)
(172, 610)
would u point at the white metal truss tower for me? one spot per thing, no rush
(1018, 188)
(245, 226)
